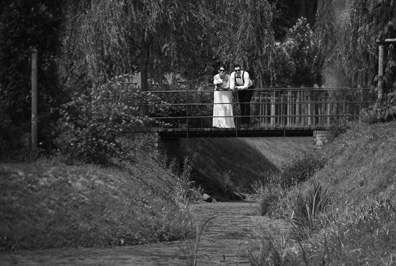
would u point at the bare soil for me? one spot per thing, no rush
(225, 241)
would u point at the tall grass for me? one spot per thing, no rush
(190, 247)
(345, 213)
(308, 206)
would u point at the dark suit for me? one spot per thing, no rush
(244, 92)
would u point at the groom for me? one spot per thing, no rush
(240, 82)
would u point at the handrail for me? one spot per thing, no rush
(271, 89)
(271, 107)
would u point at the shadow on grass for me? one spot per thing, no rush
(225, 165)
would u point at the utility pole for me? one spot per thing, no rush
(34, 101)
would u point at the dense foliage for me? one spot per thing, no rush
(298, 60)
(349, 31)
(25, 25)
(153, 37)
(91, 125)
(243, 33)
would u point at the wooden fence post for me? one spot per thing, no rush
(34, 100)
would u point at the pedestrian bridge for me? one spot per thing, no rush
(274, 112)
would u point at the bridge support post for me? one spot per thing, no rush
(321, 137)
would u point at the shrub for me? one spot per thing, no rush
(91, 124)
(268, 200)
(301, 169)
(338, 126)
(285, 67)
(298, 59)
(369, 116)
(384, 110)
(273, 200)
(304, 52)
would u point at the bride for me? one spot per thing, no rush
(223, 116)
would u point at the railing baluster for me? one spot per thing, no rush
(298, 95)
(273, 109)
(327, 124)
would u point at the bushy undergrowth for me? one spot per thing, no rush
(49, 204)
(300, 169)
(91, 124)
(269, 196)
(276, 196)
(345, 213)
(383, 110)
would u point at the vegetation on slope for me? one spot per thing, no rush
(49, 204)
(345, 213)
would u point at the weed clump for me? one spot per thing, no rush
(307, 208)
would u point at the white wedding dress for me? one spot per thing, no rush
(223, 116)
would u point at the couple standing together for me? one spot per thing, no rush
(225, 84)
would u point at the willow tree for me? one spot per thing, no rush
(114, 37)
(243, 33)
(348, 30)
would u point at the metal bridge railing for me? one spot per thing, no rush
(270, 107)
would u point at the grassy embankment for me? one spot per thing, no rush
(345, 214)
(47, 203)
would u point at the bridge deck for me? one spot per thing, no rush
(173, 133)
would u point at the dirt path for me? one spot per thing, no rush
(224, 242)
